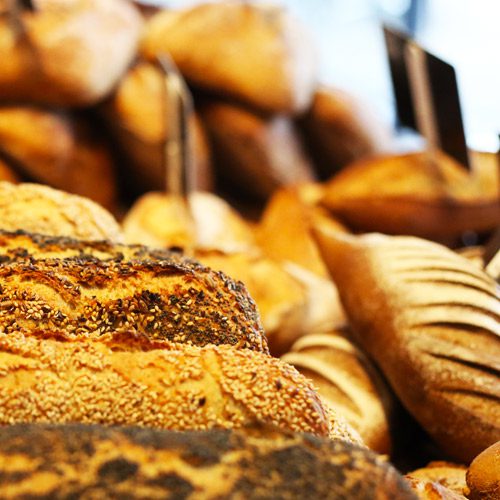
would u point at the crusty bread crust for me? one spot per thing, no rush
(87, 462)
(90, 289)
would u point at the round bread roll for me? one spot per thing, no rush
(431, 321)
(137, 115)
(416, 194)
(66, 52)
(130, 382)
(340, 130)
(255, 53)
(256, 153)
(483, 476)
(41, 209)
(428, 490)
(347, 382)
(59, 149)
(90, 461)
(81, 290)
(449, 475)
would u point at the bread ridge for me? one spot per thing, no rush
(90, 289)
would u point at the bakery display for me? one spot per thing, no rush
(41, 209)
(66, 53)
(101, 462)
(58, 149)
(340, 130)
(417, 194)
(279, 55)
(253, 152)
(348, 382)
(483, 475)
(430, 320)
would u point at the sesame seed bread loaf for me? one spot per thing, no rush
(41, 209)
(277, 72)
(348, 382)
(431, 321)
(483, 475)
(89, 462)
(91, 289)
(128, 382)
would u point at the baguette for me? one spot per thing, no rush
(83, 461)
(131, 382)
(431, 321)
(86, 289)
(41, 209)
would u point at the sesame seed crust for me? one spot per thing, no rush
(176, 387)
(91, 461)
(95, 289)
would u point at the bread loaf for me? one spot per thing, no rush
(58, 149)
(431, 321)
(347, 382)
(255, 53)
(417, 194)
(175, 387)
(81, 461)
(82, 289)
(428, 490)
(137, 115)
(66, 52)
(483, 475)
(41, 209)
(339, 130)
(256, 153)
(449, 475)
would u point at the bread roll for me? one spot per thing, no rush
(340, 130)
(58, 149)
(67, 52)
(430, 320)
(176, 387)
(84, 290)
(137, 115)
(255, 53)
(98, 462)
(483, 476)
(414, 195)
(257, 154)
(449, 475)
(428, 490)
(348, 382)
(215, 225)
(41, 209)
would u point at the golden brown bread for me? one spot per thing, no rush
(340, 130)
(131, 382)
(428, 490)
(414, 195)
(257, 54)
(137, 115)
(483, 475)
(41, 209)
(7, 173)
(347, 382)
(58, 149)
(256, 153)
(215, 225)
(449, 475)
(92, 290)
(431, 321)
(82, 461)
(67, 52)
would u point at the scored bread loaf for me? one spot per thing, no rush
(175, 387)
(93, 289)
(41, 209)
(90, 461)
(347, 382)
(257, 54)
(66, 52)
(431, 321)
(483, 475)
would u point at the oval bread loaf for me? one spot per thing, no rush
(94, 289)
(78, 461)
